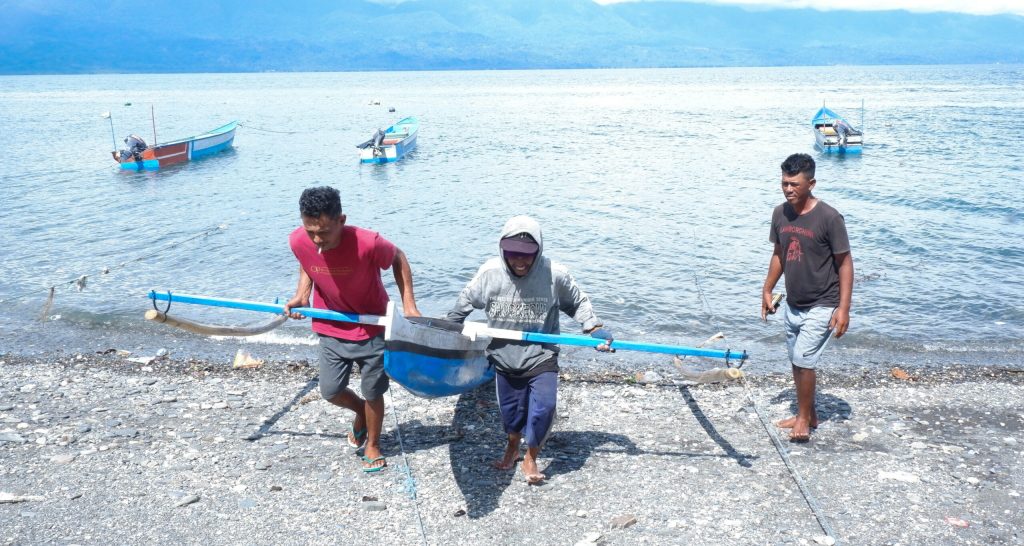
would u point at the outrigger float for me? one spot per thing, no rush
(430, 357)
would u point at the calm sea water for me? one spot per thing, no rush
(655, 187)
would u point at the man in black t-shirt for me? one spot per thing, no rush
(813, 250)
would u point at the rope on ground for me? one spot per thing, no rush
(255, 128)
(410, 481)
(80, 281)
(784, 454)
(705, 304)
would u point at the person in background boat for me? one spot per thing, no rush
(521, 289)
(813, 250)
(134, 146)
(340, 266)
(843, 129)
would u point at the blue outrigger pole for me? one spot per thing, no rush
(470, 329)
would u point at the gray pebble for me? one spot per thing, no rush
(246, 503)
(187, 500)
(12, 437)
(623, 521)
(277, 448)
(374, 506)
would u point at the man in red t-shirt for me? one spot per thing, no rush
(340, 265)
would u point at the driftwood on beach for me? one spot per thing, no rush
(210, 330)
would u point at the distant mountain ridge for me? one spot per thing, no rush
(90, 36)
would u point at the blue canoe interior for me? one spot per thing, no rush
(431, 358)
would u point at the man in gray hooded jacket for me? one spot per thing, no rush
(521, 289)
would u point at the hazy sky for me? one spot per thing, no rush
(979, 7)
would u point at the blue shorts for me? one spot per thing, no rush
(528, 405)
(807, 334)
(336, 359)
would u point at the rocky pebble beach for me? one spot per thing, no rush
(101, 449)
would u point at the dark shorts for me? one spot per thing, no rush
(336, 359)
(528, 405)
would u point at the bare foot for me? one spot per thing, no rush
(508, 460)
(801, 431)
(533, 475)
(788, 423)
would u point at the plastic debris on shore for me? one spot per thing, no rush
(244, 360)
(899, 476)
(957, 522)
(714, 375)
(902, 375)
(11, 498)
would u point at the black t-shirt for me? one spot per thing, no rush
(808, 245)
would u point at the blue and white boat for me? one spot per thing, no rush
(151, 158)
(833, 134)
(391, 144)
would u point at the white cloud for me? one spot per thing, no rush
(976, 7)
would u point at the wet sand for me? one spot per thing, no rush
(95, 449)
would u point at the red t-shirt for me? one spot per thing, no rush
(347, 278)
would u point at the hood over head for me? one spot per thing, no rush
(518, 225)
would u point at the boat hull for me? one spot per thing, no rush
(834, 135)
(181, 151)
(833, 146)
(431, 359)
(399, 140)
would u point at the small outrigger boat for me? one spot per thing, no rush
(390, 145)
(429, 357)
(833, 134)
(140, 156)
(432, 358)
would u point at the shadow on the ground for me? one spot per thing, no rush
(741, 459)
(270, 422)
(830, 407)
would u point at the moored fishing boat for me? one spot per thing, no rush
(833, 134)
(391, 144)
(140, 156)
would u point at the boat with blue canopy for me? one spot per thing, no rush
(833, 134)
(391, 144)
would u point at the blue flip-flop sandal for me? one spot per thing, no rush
(369, 461)
(357, 438)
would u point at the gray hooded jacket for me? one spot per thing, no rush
(530, 303)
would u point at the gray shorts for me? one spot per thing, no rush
(336, 359)
(807, 334)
